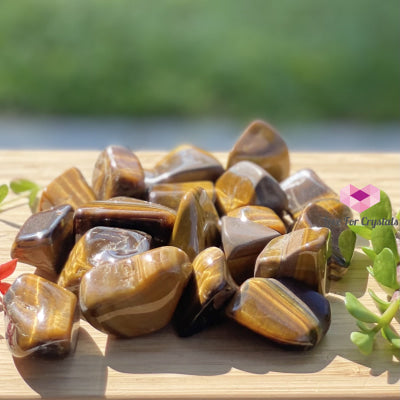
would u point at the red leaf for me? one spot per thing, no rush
(4, 286)
(7, 268)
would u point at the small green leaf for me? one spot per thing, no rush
(3, 192)
(369, 252)
(361, 230)
(380, 210)
(385, 269)
(381, 304)
(370, 270)
(347, 242)
(358, 310)
(390, 335)
(382, 236)
(22, 185)
(390, 313)
(33, 199)
(364, 327)
(364, 341)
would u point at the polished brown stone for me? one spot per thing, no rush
(101, 246)
(300, 254)
(45, 239)
(68, 188)
(242, 242)
(197, 223)
(40, 317)
(170, 194)
(118, 172)
(270, 309)
(206, 294)
(137, 298)
(262, 144)
(185, 163)
(127, 213)
(246, 183)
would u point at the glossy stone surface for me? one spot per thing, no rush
(331, 214)
(170, 194)
(45, 239)
(68, 188)
(40, 317)
(302, 188)
(300, 254)
(127, 213)
(197, 223)
(242, 242)
(261, 215)
(137, 298)
(118, 172)
(185, 163)
(206, 294)
(246, 183)
(101, 246)
(262, 144)
(272, 310)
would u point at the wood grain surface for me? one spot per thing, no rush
(223, 362)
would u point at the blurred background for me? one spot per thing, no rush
(151, 74)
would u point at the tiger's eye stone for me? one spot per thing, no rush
(197, 223)
(68, 188)
(242, 242)
(206, 294)
(101, 245)
(186, 163)
(40, 317)
(127, 213)
(300, 254)
(45, 239)
(170, 194)
(304, 187)
(270, 309)
(261, 215)
(332, 214)
(118, 172)
(135, 298)
(246, 183)
(262, 144)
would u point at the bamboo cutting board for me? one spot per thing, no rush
(223, 362)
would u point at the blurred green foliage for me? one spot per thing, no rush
(279, 59)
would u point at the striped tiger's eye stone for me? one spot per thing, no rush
(137, 298)
(118, 172)
(262, 144)
(41, 317)
(196, 225)
(332, 214)
(300, 254)
(261, 215)
(246, 183)
(68, 188)
(45, 239)
(304, 187)
(270, 309)
(170, 194)
(186, 163)
(101, 245)
(127, 213)
(206, 294)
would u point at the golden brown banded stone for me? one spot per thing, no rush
(304, 187)
(118, 172)
(197, 223)
(261, 215)
(101, 245)
(242, 242)
(45, 239)
(269, 308)
(68, 188)
(262, 144)
(206, 294)
(246, 183)
(300, 254)
(137, 298)
(185, 163)
(127, 213)
(170, 194)
(41, 317)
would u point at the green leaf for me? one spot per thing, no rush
(380, 210)
(385, 269)
(3, 192)
(370, 270)
(347, 242)
(361, 230)
(364, 341)
(398, 216)
(390, 313)
(364, 327)
(22, 185)
(369, 252)
(382, 236)
(381, 304)
(390, 335)
(358, 310)
(33, 199)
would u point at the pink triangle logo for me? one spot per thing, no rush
(360, 199)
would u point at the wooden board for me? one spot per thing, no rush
(226, 361)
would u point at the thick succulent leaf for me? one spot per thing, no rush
(22, 185)
(381, 304)
(380, 210)
(347, 242)
(364, 341)
(382, 237)
(3, 192)
(385, 269)
(358, 310)
(361, 230)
